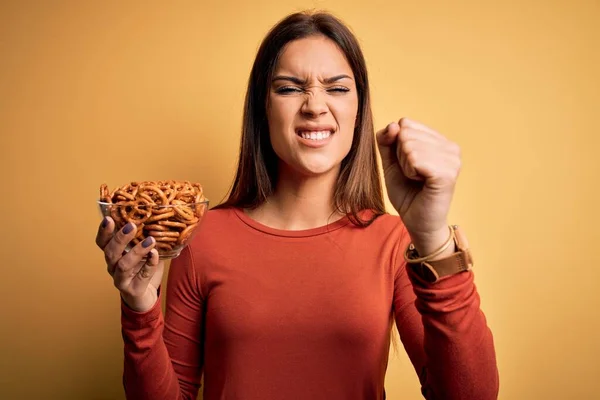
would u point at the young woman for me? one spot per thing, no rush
(290, 287)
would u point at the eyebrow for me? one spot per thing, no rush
(299, 81)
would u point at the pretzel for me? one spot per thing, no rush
(159, 216)
(172, 224)
(156, 227)
(186, 233)
(163, 246)
(169, 211)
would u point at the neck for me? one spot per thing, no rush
(299, 202)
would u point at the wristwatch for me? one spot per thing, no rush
(431, 271)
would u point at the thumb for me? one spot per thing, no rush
(386, 142)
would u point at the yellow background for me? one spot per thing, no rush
(94, 92)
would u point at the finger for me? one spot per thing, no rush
(105, 231)
(409, 123)
(131, 263)
(421, 160)
(386, 142)
(408, 159)
(415, 145)
(149, 268)
(116, 246)
(411, 135)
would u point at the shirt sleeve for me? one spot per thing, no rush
(444, 333)
(164, 356)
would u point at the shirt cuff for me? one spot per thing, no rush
(134, 318)
(446, 282)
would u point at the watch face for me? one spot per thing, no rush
(411, 254)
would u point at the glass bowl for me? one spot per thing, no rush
(173, 225)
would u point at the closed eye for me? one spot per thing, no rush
(288, 90)
(338, 89)
(293, 89)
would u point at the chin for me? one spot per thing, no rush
(317, 169)
(311, 164)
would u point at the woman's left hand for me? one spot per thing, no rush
(421, 168)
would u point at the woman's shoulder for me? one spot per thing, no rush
(216, 228)
(382, 225)
(380, 219)
(218, 217)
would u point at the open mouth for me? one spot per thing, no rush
(315, 135)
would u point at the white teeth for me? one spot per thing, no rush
(315, 135)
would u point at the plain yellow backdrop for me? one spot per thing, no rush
(94, 92)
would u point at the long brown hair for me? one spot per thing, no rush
(358, 184)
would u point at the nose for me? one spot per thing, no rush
(314, 105)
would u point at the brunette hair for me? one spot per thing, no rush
(358, 185)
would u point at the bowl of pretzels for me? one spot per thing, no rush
(169, 211)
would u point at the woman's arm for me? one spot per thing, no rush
(163, 357)
(445, 334)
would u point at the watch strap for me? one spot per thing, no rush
(461, 260)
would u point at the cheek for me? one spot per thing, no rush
(273, 120)
(346, 115)
(280, 116)
(350, 113)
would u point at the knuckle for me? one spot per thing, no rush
(403, 135)
(411, 157)
(119, 284)
(406, 146)
(404, 130)
(121, 265)
(109, 255)
(121, 238)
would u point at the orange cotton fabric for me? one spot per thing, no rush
(268, 314)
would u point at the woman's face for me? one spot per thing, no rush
(312, 107)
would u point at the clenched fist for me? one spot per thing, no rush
(421, 168)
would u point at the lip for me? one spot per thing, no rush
(315, 128)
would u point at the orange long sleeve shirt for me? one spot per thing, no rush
(269, 314)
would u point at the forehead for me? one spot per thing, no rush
(315, 55)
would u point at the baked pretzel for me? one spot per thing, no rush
(166, 210)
